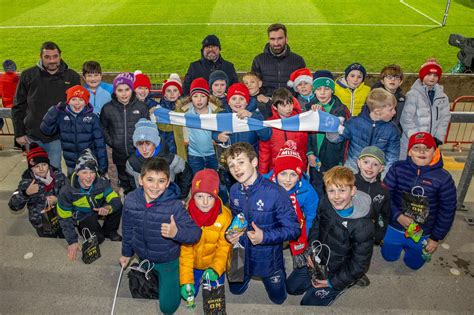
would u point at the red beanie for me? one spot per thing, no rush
(422, 137)
(141, 80)
(174, 80)
(36, 155)
(199, 85)
(289, 159)
(238, 89)
(206, 181)
(430, 66)
(77, 91)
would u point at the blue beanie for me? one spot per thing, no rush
(355, 66)
(146, 130)
(9, 66)
(211, 40)
(218, 75)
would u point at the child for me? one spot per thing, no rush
(78, 127)
(426, 107)
(257, 100)
(422, 174)
(8, 83)
(284, 106)
(272, 221)
(301, 81)
(118, 119)
(219, 82)
(351, 88)
(343, 224)
(142, 87)
(373, 128)
(371, 163)
(39, 190)
(200, 148)
(85, 199)
(207, 259)
(100, 91)
(154, 225)
(148, 144)
(171, 90)
(323, 154)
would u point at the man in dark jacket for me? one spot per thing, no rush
(277, 62)
(41, 87)
(211, 60)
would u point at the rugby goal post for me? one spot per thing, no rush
(446, 11)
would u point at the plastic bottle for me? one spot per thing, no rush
(190, 299)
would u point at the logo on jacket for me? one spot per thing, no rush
(66, 118)
(427, 182)
(344, 223)
(236, 202)
(260, 205)
(87, 119)
(136, 112)
(379, 198)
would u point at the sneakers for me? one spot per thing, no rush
(363, 281)
(114, 237)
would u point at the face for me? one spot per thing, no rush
(211, 52)
(285, 109)
(86, 178)
(287, 179)
(199, 101)
(204, 201)
(304, 88)
(123, 93)
(392, 82)
(242, 169)
(277, 41)
(421, 155)
(142, 92)
(323, 94)
(430, 79)
(354, 79)
(172, 93)
(340, 197)
(51, 59)
(146, 148)
(93, 79)
(40, 169)
(77, 104)
(386, 113)
(253, 84)
(369, 168)
(154, 184)
(237, 103)
(218, 88)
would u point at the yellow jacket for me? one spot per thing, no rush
(211, 251)
(353, 99)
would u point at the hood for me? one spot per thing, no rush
(361, 203)
(341, 81)
(62, 67)
(171, 193)
(285, 53)
(422, 89)
(296, 110)
(74, 181)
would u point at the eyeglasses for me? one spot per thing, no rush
(393, 77)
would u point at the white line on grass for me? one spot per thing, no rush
(210, 24)
(418, 11)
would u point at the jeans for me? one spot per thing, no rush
(198, 163)
(54, 151)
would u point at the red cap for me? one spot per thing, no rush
(77, 91)
(289, 159)
(430, 66)
(199, 85)
(422, 137)
(206, 181)
(238, 89)
(36, 155)
(142, 80)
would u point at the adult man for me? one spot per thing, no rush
(277, 62)
(41, 87)
(210, 61)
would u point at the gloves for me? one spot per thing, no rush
(438, 142)
(61, 106)
(187, 290)
(210, 274)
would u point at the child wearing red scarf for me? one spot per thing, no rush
(206, 259)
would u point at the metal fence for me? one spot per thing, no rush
(460, 133)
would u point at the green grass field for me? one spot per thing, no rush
(179, 26)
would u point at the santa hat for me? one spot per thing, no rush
(298, 76)
(173, 80)
(206, 181)
(124, 78)
(36, 155)
(430, 66)
(199, 85)
(238, 89)
(289, 159)
(77, 91)
(141, 80)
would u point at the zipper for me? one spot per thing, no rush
(352, 101)
(125, 128)
(372, 133)
(431, 109)
(144, 228)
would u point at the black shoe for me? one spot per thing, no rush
(114, 237)
(363, 281)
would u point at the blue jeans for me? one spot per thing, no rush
(197, 280)
(54, 151)
(198, 163)
(274, 285)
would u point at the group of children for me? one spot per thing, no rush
(183, 186)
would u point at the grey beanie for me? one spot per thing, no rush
(218, 75)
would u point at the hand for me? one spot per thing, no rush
(223, 136)
(23, 140)
(255, 236)
(124, 261)
(432, 246)
(316, 107)
(102, 211)
(262, 98)
(404, 220)
(233, 238)
(312, 160)
(33, 188)
(210, 274)
(61, 106)
(320, 283)
(169, 230)
(187, 290)
(72, 251)
(341, 120)
(52, 200)
(243, 113)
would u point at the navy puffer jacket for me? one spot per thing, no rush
(141, 226)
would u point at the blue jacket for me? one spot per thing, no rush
(269, 206)
(166, 131)
(101, 96)
(141, 226)
(439, 189)
(77, 133)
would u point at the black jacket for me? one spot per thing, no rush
(37, 91)
(275, 70)
(202, 68)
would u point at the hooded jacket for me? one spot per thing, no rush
(101, 96)
(354, 99)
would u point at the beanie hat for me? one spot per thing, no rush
(374, 152)
(238, 89)
(77, 91)
(36, 155)
(199, 85)
(323, 78)
(146, 130)
(355, 66)
(211, 40)
(298, 76)
(423, 138)
(289, 159)
(430, 66)
(141, 80)
(86, 161)
(174, 80)
(218, 75)
(9, 66)
(124, 78)
(206, 181)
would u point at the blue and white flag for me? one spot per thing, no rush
(307, 121)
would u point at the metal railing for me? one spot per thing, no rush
(459, 133)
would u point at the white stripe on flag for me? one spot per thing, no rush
(276, 123)
(177, 119)
(309, 121)
(209, 120)
(239, 125)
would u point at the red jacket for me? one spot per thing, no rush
(8, 83)
(268, 150)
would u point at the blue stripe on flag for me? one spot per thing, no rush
(328, 122)
(291, 123)
(192, 121)
(224, 122)
(255, 124)
(163, 115)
